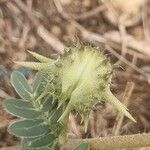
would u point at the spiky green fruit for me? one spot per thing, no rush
(83, 75)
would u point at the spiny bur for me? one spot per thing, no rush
(82, 76)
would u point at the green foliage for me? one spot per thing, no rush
(43, 141)
(38, 125)
(22, 109)
(41, 81)
(83, 146)
(21, 86)
(48, 104)
(29, 128)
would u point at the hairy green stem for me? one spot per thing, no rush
(113, 143)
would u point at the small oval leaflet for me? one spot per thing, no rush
(21, 86)
(22, 109)
(42, 141)
(28, 128)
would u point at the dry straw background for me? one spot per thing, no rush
(120, 28)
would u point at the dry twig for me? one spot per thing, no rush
(140, 46)
(41, 30)
(145, 21)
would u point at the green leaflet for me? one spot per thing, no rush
(29, 148)
(22, 109)
(48, 104)
(21, 86)
(25, 147)
(55, 126)
(28, 128)
(38, 143)
(42, 86)
(83, 146)
(55, 115)
(38, 79)
(42, 141)
(40, 82)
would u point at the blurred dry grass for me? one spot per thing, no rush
(122, 28)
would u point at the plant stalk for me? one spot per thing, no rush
(113, 143)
